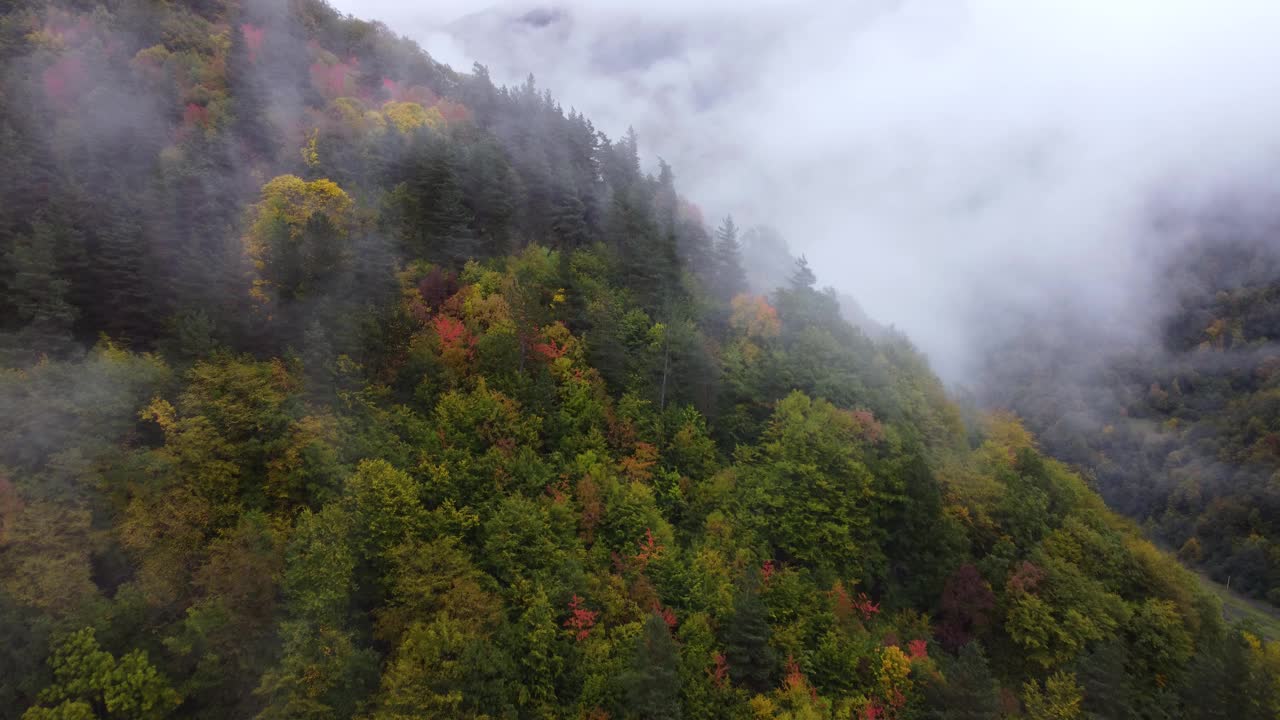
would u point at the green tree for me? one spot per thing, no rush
(540, 654)
(1058, 699)
(437, 221)
(965, 689)
(90, 682)
(751, 660)
(426, 675)
(323, 672)
(385, 508)
(808, 494)
(38, 293)
(652, 686)
(729, 277)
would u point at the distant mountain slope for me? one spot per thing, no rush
(1181, 431)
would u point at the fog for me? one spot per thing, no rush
(952, 164)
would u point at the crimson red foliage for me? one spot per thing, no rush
(964, 608)
(864, 605)
(549, 350)
(719, 671)
(795, 679)
(451, 331)
(847, 605)
(559, 491)
(898, 699)
(668, 615)
(580, 620)
(649, 548)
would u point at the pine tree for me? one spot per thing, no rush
(493, 192)
(752, 662)
(123, 270)
(620, 162)
(439, 223)
(966, 690)
(665, 200)
(567, 213)
(568, 221)
(648, 261)
(1107, 687)
(803, 278)
(249, 102)
(652, 686)
(38, 293)
(730, 280)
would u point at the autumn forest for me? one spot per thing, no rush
(339, 383)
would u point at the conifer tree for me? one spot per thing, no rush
(439, 223)
(652, 685)
(38, 293)
(965, 690)
(730, 280)
(752, 661)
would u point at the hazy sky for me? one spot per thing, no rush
(946, 162)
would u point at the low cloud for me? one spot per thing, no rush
(952, 164)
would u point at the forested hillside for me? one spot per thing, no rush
(340, 384)
(1180, 430)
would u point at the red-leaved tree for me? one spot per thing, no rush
(580, 620)
(965, 607)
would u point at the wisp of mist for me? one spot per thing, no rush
(951, 164)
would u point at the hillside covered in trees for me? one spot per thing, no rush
(340, 384)
(1180, 429)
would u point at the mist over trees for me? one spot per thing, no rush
(340, 383)
(1175, 427)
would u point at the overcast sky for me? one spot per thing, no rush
(946, 162)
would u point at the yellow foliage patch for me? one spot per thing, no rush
(895, 669)
(292, 200)
(409, 116)
(310, 153)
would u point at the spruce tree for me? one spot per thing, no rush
(803, 278)
(493, 191)
(249, 101)
(966, 689)
(730, 279)
(439, 223)
(652, 685)
(122, 267)
(38, 293)
(752, 662)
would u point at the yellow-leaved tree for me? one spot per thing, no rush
(298, 236)
(409, 116)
